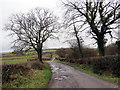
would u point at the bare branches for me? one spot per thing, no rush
(34, 28)
(100, 16)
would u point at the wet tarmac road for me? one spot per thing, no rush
(65, 76)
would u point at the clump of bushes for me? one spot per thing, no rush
(89, 52)
(101, 65)
(115, 67)
(111, 49)
(73, 53)
(9, 71)
(61, 52)
(107, 64)
(36, 65)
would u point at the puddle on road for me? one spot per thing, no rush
(59, 79)
(62, 77)
(59, 70)
(54, 69)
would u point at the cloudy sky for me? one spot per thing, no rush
(9, 7)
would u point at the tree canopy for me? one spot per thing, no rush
(100, 17)
(32, 29)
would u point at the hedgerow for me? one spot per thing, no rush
(101, 65)
(9, 70)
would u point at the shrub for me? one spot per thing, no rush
(73, 53)
(9, 70)
(111, 49)
(37, 65)
(89, 52)
(101, 65)
(61, 53)
(115, 67)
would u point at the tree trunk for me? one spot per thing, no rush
(79, 46)
(78, 41)
(118, 45)
(101, 46)
(40, 54)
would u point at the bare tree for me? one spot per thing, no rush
(79, 42)
(101, 17)
(32, 29)
(73, 30)
(75, 50)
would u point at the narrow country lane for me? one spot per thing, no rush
(65, 76)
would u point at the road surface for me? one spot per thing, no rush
(65, 76)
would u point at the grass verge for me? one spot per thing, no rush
(34, 79)
(88, 69)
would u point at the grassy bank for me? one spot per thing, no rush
(34, 79)
(88, 69)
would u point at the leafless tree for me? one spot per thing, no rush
(79, 42)
(73, 30)
(100, 16)
(31, 30)
(76, 50)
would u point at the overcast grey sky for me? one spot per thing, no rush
(9, 7)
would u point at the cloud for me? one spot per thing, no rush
(9, 7)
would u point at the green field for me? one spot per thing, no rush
(8, 57)
(12, 61)
(15, 57)
(49, 50)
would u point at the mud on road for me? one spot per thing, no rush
(65, 76)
